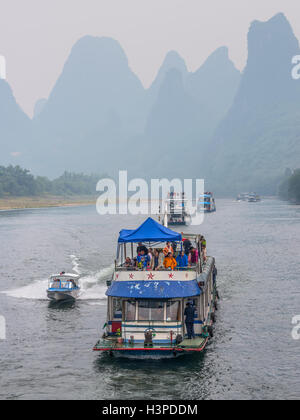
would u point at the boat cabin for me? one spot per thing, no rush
(63, 281)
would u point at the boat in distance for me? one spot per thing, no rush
(207, 203)
(250, 197)
(63, 286)
(175, 210)
(146, 304)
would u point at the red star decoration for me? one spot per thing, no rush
(117, 276)
(171, 275)
(131, 276)
(150, 276)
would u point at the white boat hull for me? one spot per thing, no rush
(63, 295)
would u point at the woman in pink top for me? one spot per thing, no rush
(193, 256)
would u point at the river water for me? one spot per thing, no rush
(48, 353)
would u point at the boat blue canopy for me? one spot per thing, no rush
(149, 231)
(154, 289)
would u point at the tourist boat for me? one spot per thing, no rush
(175, 210)
(63, 286)
(207, 203)
(242, 197)
(253, 198)
(145, 313)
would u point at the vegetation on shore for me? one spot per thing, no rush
(18, 182)
(289, 188)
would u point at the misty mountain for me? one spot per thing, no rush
(260, 135)
(186, 112)
(95, 106)
(172, 61)
(238, 131)
(214, 86)
(15, 128)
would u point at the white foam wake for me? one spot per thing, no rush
(93, 285)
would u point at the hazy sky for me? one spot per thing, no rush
(36, 35)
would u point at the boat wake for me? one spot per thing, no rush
(93, 285)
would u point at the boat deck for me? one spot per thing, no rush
(196, 344)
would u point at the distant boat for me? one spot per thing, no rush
(253, 198)
(242, 197)
(63, 286)
(207, 203)
(175, 211)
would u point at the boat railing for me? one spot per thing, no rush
(189, 268)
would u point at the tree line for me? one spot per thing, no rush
(289, 188)
(18, 182)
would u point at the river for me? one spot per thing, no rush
(48, 353)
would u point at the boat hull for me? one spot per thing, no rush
(57, 295)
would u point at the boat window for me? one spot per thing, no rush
(151, 310)
(173, 311)
(65, 284)
(55, 284)
(117, 308)
(130, 306)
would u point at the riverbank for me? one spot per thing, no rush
(15, 203)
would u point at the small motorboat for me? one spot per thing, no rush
(63, 286)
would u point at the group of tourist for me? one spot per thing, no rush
(155, 259)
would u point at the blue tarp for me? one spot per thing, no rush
(154, 289)
(149, 231)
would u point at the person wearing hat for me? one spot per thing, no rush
(189, 313)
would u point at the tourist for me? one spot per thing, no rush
(128, 262)
(141, 247)
(187, 246)
(182, 260)
(142, 260)
(204, 256)
(170, 262)
(193, 256)
(155, 260)
(168, 249)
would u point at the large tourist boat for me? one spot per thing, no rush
(207, 203)
(175, 210)
(146, 304)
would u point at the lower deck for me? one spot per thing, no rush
(187, 345)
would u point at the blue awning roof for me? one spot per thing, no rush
(149, 231)
(154, 289)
